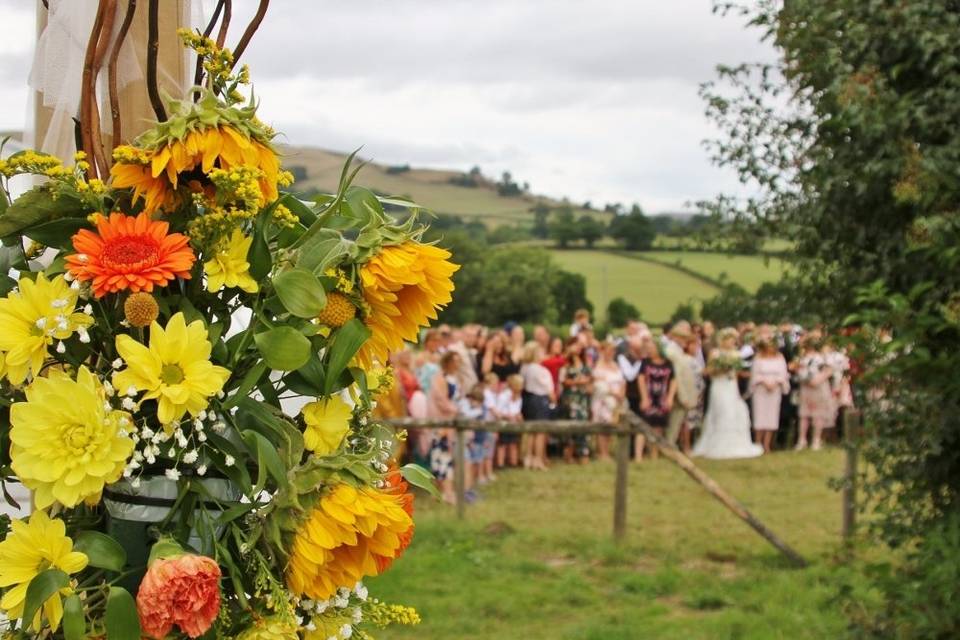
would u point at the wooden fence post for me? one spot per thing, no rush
(620, 488)
(460, 474)
(851, 423)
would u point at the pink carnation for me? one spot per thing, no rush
(182, 591)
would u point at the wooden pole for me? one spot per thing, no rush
(851, 424)
(671, 452)
(620, 487)
(460, 474)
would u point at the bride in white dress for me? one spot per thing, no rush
(726, 427)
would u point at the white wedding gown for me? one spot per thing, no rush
(726, 427)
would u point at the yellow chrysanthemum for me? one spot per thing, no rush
(175, 370)
(65, 444)
(404, 285)
(155, 174)
(229, 267)
(328, 422)
(32, 319)
(271, 628)
(344, 539)
(30, 548)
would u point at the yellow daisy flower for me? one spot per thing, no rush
(328, 422)
(349, 535)
(65, 444)
(33, 318)
(229, 267)
(175, 370)
(404, 285)
(30, 548)
(271, 628)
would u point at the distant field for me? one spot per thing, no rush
(430, 188)
(655, 290)
(748, 271)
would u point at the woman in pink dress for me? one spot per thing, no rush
(609, 391)
(769, 381)
(816, 395)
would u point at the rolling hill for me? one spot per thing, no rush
(431, 188)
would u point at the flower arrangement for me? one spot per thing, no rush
(153, 348)
(726, 363)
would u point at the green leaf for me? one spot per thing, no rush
(347, 341)
(420, 477)
(121, 620)
(37, 206)
(74, 622)
(259, 256)
(283, 348)
(267, 460)
(300, 292)
(323, 250)
(363, 205)
(41, 588)
(103, 551)
(247, 384)
(56, 233)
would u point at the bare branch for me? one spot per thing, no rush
(251, 29)
(153, 48)
(112, 71)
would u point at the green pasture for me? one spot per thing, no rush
(655, 289)
(534, 558)
(747, 271)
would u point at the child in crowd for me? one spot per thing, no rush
(510, 409)
(492, 388)
(471, 408)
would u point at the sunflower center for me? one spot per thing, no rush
(130, 252)
(171, 374)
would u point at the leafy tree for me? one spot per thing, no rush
(541, 214)
(620, 312)
(684, 311)
(563, 227)
(590, 229)
(634, 230)
(569, 294)
(861, 168)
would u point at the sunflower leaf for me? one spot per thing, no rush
(42, 587)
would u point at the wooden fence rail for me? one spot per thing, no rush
(629, 424)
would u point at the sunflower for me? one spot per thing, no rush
(229, 266)
(128, 252)
(398, 487)
(66, 444)
(175, 370)
(33, 318)
(345, 538)
(404, 285)
(30, 548)
(328, 422)
(156, 173)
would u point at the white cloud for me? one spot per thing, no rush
(594, 100)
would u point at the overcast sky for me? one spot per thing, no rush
(592, 99)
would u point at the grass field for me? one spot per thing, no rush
(534, 558)
(655, 290)
(748, 271)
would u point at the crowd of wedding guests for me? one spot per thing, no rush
(793, 381)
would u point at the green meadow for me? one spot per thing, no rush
(534, 558)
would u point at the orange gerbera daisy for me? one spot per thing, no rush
(404, 285)
(155, 174)
(127, 252)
